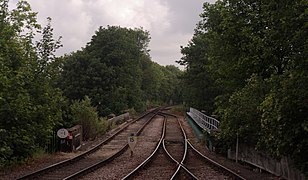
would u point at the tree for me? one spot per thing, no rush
(241, 116)
(151, 79)
(169, 90)
(199, 89)
(30, 106)
(86, 115)
(284, 118)
(253, 55)
(108, 70)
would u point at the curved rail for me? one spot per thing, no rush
(182, 166)
(185, 150)
(103, 162)
(148, 159)
(92, 150)
(162, 143)
(229, 171)
(97, 165)
(179, 164)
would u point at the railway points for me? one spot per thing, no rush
(164, 150)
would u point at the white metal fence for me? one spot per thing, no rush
(204, 121)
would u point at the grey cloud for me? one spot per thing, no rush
(184, 14)
(171, 23)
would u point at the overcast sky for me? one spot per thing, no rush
(171, 23)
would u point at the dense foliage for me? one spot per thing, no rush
(84, 114)
(247, 63)
(115, 71)
(40, 93)
(29, 104)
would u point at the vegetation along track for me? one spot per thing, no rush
(98, 155)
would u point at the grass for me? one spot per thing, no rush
(178, 109)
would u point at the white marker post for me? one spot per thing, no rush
(62, 134)
(132, 141)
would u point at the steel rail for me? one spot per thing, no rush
(169, 155)
(94, 167)
(185, 150)
(162, 143)
(188, 171)
(109, 159)
(92, 150)
(216, 163)
(150, 157)
(179, 164)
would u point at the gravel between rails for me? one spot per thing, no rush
(236, 167)
(104, 152)
(160, 167)
(46, 160)
(123, 164)
(182, 174)
(202, 169)
(148, 138)
(174, 139)
(49, 159)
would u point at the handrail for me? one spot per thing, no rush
(204, 121)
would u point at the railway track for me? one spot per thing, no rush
(169, 152)
(205, 168)
(160, 164)
(173, 156)
(95, 157)
(174, 141)
(124, 163)
(176, 158)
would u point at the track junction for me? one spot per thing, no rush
(163, 151)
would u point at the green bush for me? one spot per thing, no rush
(86, 115)
(29, 103)
(102, 127)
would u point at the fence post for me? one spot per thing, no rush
(236, 149)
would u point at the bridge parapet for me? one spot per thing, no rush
(205, 122)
